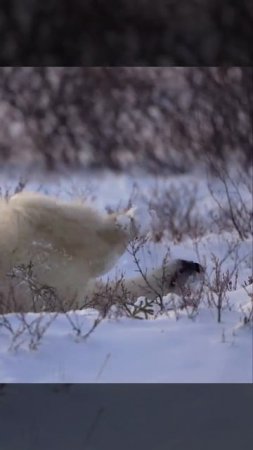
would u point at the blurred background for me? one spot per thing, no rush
(162, 119)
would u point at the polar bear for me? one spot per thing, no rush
(68, 245)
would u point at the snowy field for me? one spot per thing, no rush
(176, 345)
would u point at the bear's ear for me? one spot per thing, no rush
(125, 218)
(131, 212)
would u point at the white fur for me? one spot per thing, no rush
(69, 245)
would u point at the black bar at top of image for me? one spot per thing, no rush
(126, 33)
(121, 416)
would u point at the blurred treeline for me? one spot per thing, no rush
(159, 119)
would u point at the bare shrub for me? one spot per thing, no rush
(77, 324)
(45, 303)
(84, 194)
(36, 328)
(113, 300)
(25, 329)
(16, 331)
(43, 297)
(142, 308)
(235, 213)
(217, 294)
(191, 300)
(145, 297)
(134, 248)
(221, 282)
(175, 213)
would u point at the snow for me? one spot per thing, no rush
(174, 346)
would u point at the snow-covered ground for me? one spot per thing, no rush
(176, 346)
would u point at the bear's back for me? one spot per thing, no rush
(71, 228)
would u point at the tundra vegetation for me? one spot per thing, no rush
(164, 123)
